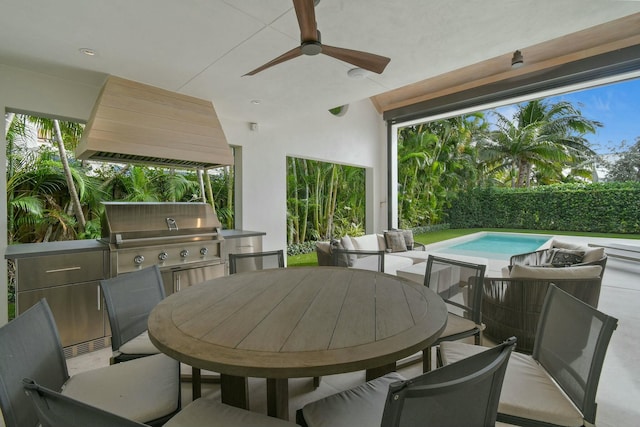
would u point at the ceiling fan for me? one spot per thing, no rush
(310, 44)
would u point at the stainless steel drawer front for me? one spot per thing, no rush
(54, 270)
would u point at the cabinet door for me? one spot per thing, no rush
(77, 310)
(193, 276)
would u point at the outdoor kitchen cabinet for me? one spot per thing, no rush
(240, 242)
(181, 278)
(67, 274)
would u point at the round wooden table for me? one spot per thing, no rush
(296, 322)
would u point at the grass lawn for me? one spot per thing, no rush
(311, 259)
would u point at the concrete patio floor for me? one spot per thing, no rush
(619, 389)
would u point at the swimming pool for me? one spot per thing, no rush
(494, 245)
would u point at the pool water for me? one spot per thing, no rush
(496, 245)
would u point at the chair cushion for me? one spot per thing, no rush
(592, 255)
(368, 242)
(393, 263)
(528, 391)
(395, 241)
(143, 389)
(360, 406)
(212, 413)
(578, 272)
(139, 345)
(368, 262)
(458, 325)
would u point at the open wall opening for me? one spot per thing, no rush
(324, 200)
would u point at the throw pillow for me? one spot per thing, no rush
(408, 239)
(565, 257)
(347, 244)
(395, 241)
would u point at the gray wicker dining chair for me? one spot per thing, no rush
(459, 284)
(145, 389)
(461, 394)
(240, 263)
(129, 299)
(56, 410)
(557, 384)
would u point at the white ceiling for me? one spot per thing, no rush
(203, 47)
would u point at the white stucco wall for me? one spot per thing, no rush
(358, 138)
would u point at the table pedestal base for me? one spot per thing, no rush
(278, 398)
(196, 383)
(374, 373)
(234, 391)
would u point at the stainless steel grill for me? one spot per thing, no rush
(183, 239)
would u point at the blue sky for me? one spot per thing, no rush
(616, 106)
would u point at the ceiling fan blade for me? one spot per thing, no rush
(305, 11)
(368, 61)
(293, 53)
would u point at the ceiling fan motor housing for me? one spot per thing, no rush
(311, 48)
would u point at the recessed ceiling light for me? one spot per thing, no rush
(87, 51)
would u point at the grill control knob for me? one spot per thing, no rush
(184, 253)
(138, 259)
(204, 251)
(162, 256)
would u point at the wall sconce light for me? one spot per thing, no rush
(517, 60)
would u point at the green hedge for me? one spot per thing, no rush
(602, 207)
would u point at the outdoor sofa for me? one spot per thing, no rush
(397, 247)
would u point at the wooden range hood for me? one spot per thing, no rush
(135, 123)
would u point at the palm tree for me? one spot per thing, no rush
(61, 134)
(539, 142)
(435, 161)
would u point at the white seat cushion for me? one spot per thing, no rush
(527, 392)
(457, 325)
(212, 413)
(368, 262)
(391, 263)
(359, 406)
(143, 389)
(139, 345)
(368, 242)
(414, 256)
(582, 272)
